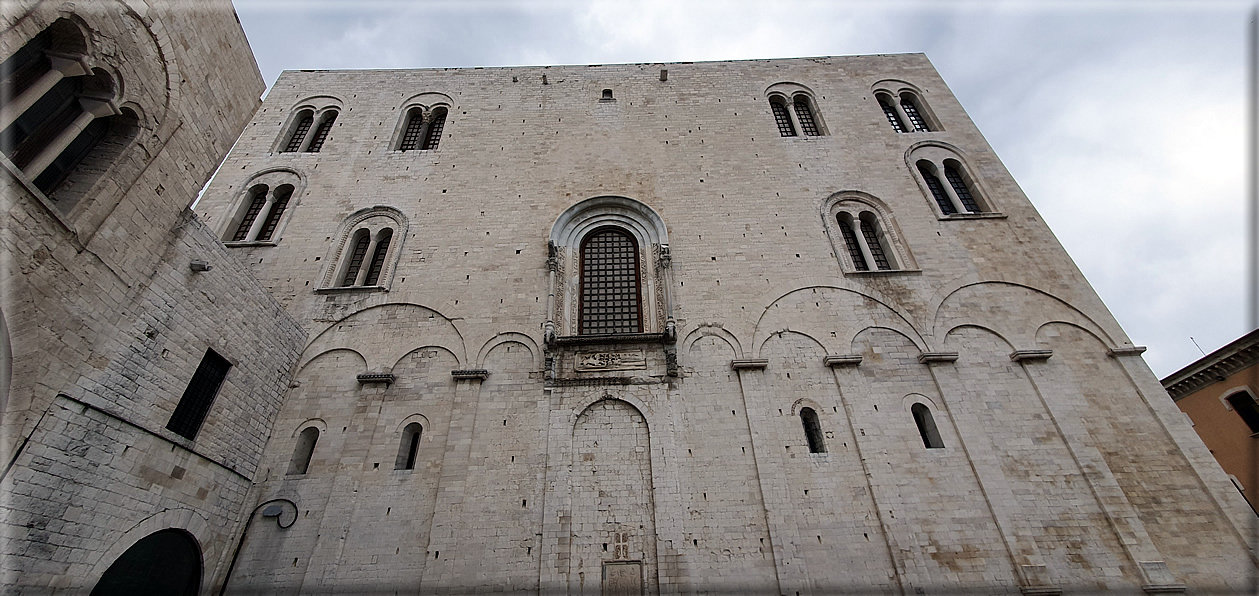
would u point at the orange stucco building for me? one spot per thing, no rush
(1220, 394)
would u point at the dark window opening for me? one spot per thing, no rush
(304, 450)
(409, 446)
(610, 294)
(892, 116)
(911, 110)
(607, 94)
(876, 245)
(959, 187)
(356, 258)
(164, 562)
(411, 135)
(926, 427)
(199, 395)
(812, 430)
(282, 195)
(1245, 407)
(321, 133)
(251, 214)
(850, 241)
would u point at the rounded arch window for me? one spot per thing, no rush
(610, 298)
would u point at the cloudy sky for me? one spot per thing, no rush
(1124, 122)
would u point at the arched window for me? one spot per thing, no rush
(378, 257)
(362, 238)
(863, 226)
(164, 562)
(321, 133)
(57, 109)
(408, 447)
(610, 294)
(304, 121)
(414, 130)
(910, 105)
(958, 183)
(435, 127)
(804, 114)
(262, 200)
(779, 106)
(304, 450)
(942, 199)
(310, 129)
(892, 117)
(926, 427)
(367, 252)
(812, 430)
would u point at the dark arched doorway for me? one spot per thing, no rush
(164, 562)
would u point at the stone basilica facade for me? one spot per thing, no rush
(770, 326)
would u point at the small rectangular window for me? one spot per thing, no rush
(199, 395)
(1245, 407)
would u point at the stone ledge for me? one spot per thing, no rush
(1126, 351)
(842, 360)
(749, 363)
(612, 338)
(375, 378)
(1030, 355)
(984, 215)
(934, 357)
(470, 373)
(350, 289)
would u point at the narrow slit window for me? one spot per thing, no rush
(362, 239)
(915, 117)
(435, 127)
(199, 395)
(413, 132)
(409, 447)
(321, 133)
(378, 257)
(299, 133)
(959, 186)
(281, 203)
(782, 118)
(812, 430)
(610, 296)
(251, 214)
(892, 117)
(926, 427)
(871, 235)
(305, 448)
(1245, 407)
(937, 189)
(850, 241)
(804, 113)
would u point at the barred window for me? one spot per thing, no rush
(850, 241)
(911, 110)
(413, 132)
(804, 113)
(191, 411)
(299, 133)
(890, 112)
(937, 189)
(785, 127)
(959, 187)
(251, 214)
(610, 300)
(871, 236)
(435, 126)
(321, 133)
(378, 257)
(281, 203)
(361, 240)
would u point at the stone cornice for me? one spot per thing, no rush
(1214, 367)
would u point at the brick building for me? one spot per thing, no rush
(779, 326)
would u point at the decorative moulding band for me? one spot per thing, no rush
(1126, 351)
(1030, 355)
(612, 338)
(372, 378)
(933, 357)
(470, 373)
(843, 360)
(749, 363)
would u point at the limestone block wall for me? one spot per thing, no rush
(107, 321)
(758, 311)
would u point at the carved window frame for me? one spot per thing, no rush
(320, 108)
(648, 232)
(426, 106)
(272, 183)
(373, 221)
(937, 157)
(894, 93)
(858, 206)
(785, 100)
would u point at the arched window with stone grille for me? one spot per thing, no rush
(910, 105)
(413, 131)
(805, 115)
(305, 119)
(437, 123)
(893, 118)
(610, 298)
(865, 234)
(778, 105)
